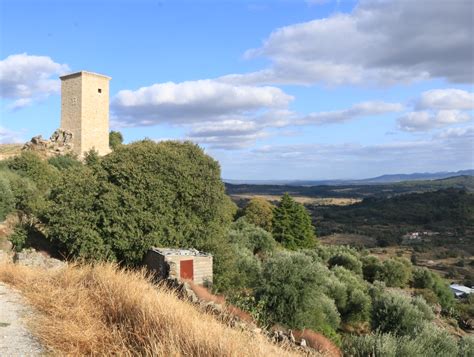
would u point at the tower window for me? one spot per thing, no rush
(99, 90)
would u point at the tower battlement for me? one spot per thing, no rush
(85, 111)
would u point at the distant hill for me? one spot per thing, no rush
(361, 190)
(417, 176)
(392, 178)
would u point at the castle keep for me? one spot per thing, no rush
(85, 111)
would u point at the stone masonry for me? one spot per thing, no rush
(166, 264)
(85, 111)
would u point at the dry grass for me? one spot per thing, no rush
(103, 310)
(9, 150)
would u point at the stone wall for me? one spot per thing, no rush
(168, 267)
(85, 111)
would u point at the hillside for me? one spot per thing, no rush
(9, 150)
(102, 310)
(353, 191)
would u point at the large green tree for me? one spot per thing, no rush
(292, 225)
(142, 194)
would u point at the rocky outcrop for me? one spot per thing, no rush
(33, 258)
(59, 143)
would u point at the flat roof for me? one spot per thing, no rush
(180, 252)
(81, 73)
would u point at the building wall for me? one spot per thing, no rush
(71, 108)
(95, 113)
(85, 111)
(169, 266)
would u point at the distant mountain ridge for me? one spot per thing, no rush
(389, 178)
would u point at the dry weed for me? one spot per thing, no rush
(104, 310)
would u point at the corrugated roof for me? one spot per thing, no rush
(180, 252)
(461, 288)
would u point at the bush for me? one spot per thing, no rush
(443, 292)
(259, 212)
(291, 285)
(422, 279)
(7, 200)
(351, 297)
(431, 341)
(292, 225)
(251, 237)
(371, 268)
(346, 260)
(63, 162)
(115, 139)
(30, 165)
(466, 346)
(19, 237)
(393, 312)
(395, 272)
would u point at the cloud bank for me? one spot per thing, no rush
(25, 78)
(383, 42)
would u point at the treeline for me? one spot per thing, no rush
(267, 259)
(448, 210)
(355, 190)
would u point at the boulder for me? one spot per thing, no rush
(32, 258)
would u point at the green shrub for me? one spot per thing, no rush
(422, 278)
(371, 267)
(19, 237)
(30, 165)
(253, 238)
(431, 341)
(259, 212)
(7, 200)
(291, 285)
(393, 312)
(443, 292)
(115, 139)
(395, 272)
(466, 346)
(351, 297)
(63, 162)
(346, 260)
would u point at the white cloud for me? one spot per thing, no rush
(446, 99)
(356, 111)
(25, 78)
(194, 101)
(451, 150)
(8, 136)
(380, 41)
(424, 120)
(438, 108)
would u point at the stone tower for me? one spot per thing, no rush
(85, 111)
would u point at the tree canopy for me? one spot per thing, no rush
(292, 226)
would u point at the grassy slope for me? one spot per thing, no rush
(102, 310)
(9, 150)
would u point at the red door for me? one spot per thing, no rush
(186, 269)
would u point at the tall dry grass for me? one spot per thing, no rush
(104, 310)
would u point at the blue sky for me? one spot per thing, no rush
(273, 90)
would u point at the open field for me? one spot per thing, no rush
(318, 201)
(9, 150)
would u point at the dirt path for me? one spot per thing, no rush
(15, 339)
